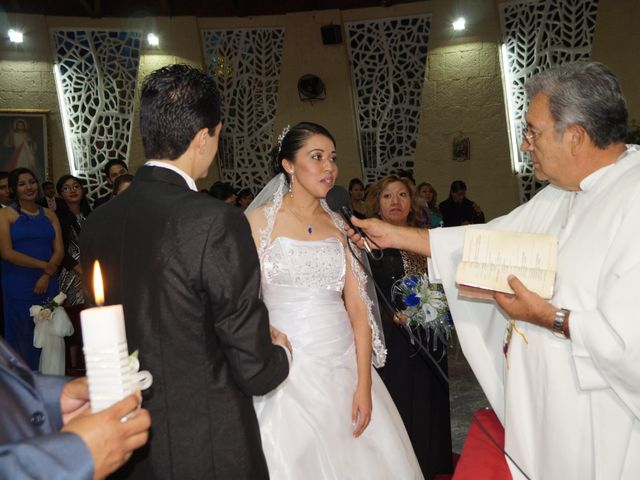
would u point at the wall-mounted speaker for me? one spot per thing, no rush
(331, 34)
(311, 87)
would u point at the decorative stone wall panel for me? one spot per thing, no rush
(98, 72)
(246, 64)
(539, 34)
(388, 59)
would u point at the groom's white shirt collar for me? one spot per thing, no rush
(190, 181)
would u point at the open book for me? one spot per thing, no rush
(489, 257)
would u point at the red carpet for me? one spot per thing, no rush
(480, 458)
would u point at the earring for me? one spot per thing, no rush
(291, 184)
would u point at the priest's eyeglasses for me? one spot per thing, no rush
(530, 136)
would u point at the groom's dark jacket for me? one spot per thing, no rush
(185, 268)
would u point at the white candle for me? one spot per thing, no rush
(103, 326)
(105, 350)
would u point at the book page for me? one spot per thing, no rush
(489, 257)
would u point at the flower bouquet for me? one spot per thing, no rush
(422, 303)
(52, 325)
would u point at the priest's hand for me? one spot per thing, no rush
(525, 305)
(386, 235)
(377, 230)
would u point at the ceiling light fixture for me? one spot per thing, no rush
(153, 40)
(459, 24)
(15, 36)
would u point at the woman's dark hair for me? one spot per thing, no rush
(114, 161)
(457, 186)
(353, 182)
(245, 192)
(126, 178)
(14, 177)
(433, 204)
(414, 218)
(85, 206)
(293, 141)
(221, 191)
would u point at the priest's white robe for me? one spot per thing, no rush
(570, 408)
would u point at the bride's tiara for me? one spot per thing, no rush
(281, 137)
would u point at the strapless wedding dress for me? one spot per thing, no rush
(305, 423)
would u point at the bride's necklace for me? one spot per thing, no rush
(309, 225)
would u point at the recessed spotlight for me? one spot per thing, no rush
(153, 40)
(459, 24)
(15, 36)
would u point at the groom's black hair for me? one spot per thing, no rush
(177, 102)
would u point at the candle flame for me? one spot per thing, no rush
(98, 289)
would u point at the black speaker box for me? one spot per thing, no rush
(331, 34)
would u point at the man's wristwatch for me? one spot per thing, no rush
(559, 323)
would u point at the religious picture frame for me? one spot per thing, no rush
(24, 142)
(461, 149)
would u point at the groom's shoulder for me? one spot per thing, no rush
(207, 211)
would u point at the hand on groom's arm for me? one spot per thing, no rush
(279, 338)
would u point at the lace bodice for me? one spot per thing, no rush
(305, 263)
(312, 269)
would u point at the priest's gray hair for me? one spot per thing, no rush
(585, 94)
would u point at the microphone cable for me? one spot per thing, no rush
(413, 339)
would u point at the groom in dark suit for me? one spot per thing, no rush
(185, 268)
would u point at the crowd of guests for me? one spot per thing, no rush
(456, 210)
(40, 246)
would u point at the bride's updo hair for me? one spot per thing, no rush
(292, 141)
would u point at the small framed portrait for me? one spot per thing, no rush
(461, 148)
(23, 141)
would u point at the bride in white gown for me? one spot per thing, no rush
(332, 418)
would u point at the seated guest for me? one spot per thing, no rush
(431, 216)
(415, 385)
(46, 430)
(122, 183)
(223, 191)
(458, 209)
(245, 197)
(112, 170)
(49, 200)
(356, 195)
(5, 197)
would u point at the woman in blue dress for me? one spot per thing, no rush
(31, 250)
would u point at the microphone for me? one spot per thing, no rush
(338, 200)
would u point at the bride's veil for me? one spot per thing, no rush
(272, 195)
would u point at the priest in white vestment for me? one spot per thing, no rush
(569, 395)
